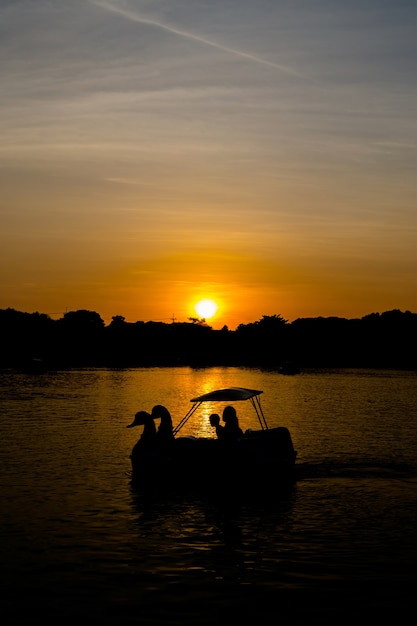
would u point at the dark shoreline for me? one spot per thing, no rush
(35, 342)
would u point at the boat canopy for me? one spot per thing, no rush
(230, 394)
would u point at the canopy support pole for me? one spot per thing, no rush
(186, 417)
(256, 403)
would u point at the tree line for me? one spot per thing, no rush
(82, 339)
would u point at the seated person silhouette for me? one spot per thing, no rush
(215, 422)
(231, 430)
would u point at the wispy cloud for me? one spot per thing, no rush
(128, 181)
(135, 17)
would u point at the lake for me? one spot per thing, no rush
(78, 542)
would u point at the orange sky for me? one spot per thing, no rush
(262, 155)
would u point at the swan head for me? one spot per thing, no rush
(141, 418)
(161, 411)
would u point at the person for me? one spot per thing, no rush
(231, 430)
(215, 422)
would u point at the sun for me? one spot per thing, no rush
(206, 308)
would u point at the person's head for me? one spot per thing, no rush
(229, 415)
(214, 419)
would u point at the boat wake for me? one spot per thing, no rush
(356, 468)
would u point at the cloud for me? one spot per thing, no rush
(135, 17)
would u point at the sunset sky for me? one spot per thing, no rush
(260, 153)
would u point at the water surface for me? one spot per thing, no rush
(78, 542)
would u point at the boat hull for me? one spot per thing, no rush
(265, 457)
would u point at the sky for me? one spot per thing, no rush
(259, 153)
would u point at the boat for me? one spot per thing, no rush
(261, 456)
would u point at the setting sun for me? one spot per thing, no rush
(206, 308)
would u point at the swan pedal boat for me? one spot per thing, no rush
(261, 456)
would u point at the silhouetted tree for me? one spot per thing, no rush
(80, 338)
(265, 340)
